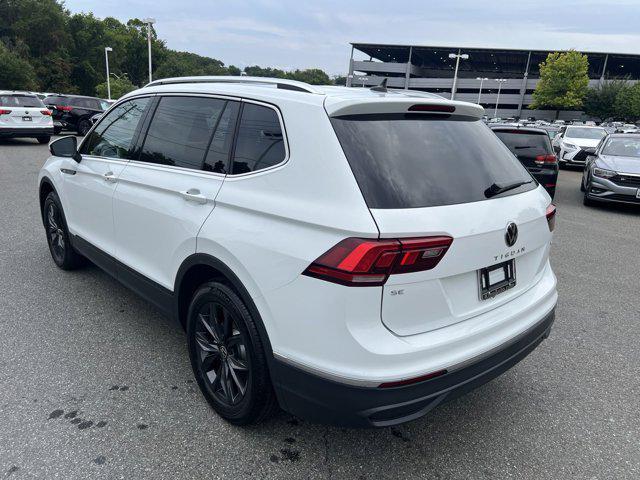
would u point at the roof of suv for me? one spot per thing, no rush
(335, 99)
(17, 92)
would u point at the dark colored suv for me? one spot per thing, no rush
(73, 112)
(533, 148)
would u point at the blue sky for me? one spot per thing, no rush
(304, 33)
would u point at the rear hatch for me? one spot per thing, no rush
(434, 174)
(19, 111)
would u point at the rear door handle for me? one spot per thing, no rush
(194, 195)
(110, 177)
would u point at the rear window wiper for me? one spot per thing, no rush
(496, 189)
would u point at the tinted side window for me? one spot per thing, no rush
(218, 155)
(180, 131)
(54, 101)
(260, 143)
(113, 136)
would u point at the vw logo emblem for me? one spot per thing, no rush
(511, 234)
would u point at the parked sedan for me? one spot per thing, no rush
(612, 174)
(574, 144)
(533, 148)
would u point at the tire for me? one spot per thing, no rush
(586, 201)
(62, 253)
(228, 357)
(83, 127)
(582, 189)
(42, 140)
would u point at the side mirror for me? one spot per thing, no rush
(65, 147)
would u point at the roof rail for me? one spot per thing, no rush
(278, 82)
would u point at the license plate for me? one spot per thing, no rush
(26, 119)
(638, 193)
(496, 279)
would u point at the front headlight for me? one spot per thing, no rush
(569, 146)
(602, 173)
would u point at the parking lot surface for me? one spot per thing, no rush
(94, 383)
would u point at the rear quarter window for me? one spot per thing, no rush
(416, 160)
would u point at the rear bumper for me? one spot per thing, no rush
(26, 132)
(325, 401)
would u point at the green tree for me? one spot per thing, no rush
(47, 48)
(119, 87)
(340, 80)
(564, 81)
(600, 102)
(314, 76)
(627, 104)
(15, 72)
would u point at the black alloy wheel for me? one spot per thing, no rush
(223, 353)
(55, 234)
(228, 355)
(83, 127)
(55, 226)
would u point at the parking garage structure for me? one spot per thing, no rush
(483, 74)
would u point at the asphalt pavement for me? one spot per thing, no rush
(95, 383)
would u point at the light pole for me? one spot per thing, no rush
(457, 56)
(149, 21)
(500, 82)
(106, 59)
(481, 82)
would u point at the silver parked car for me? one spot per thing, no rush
(612, 174)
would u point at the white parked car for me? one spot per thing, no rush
(575, 143)
(356, 256)
(23, 115)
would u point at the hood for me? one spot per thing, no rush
(619, 164)
(583, 142)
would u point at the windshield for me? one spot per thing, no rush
(588, 133)
(408, 161)
(622, 147)
(20, 101)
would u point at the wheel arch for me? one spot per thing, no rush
(201, 267)
(46, 187)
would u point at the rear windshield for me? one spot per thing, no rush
(408, 161)
(525, 144)
(20, 101)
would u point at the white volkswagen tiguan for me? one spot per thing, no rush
(355, 256)
(23, 115)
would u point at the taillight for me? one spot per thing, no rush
(365, 262)
(545, 159)
(551, 217)
(64, 108)
(4, 111)
(45, 112)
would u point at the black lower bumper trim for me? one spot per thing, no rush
(321, 400)
(25, 132)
